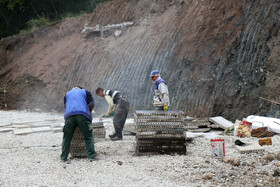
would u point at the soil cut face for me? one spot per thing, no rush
(217, 57)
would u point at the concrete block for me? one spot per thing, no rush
(23, 131)
(56, 125)
(221, 122)
(250, 148)
(18, 122)
(35, 121)
(199, 130)
(42, 129)
(5, 125)
(2, 130)
(40, 125)
(159, 113)
(53, 120)
(129, 122)
(97, 123)
(57, 129)
(21, 126)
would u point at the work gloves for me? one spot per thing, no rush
(109, 114)
(165, 108)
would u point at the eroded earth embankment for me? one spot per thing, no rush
(218, 57)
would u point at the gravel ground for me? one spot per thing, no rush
(33, 160)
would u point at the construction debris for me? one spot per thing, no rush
(41, 129)
(244, 129)
(260, 121)
(218, 147)
(262, 132)
(197, 125)
(159, 132)
(221, 122)
(5, 130)
(250, 148)
(266, 141)
(23, 131)
(209, 135)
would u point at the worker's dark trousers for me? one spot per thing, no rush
(159, 108)
(85, 126)
(122, 108)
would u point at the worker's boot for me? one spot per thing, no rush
(112, 135)
(116, 138)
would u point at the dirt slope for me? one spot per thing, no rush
(218, 57)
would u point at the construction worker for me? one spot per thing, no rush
(161, 96)
(78, 105)
(121, 105)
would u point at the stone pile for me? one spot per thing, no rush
(78, 146)
(159, 132)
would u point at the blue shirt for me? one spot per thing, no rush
(78, 101)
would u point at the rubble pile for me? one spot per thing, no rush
(78, 146)
(159, 132)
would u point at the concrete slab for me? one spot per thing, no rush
(21, 126)
(221, 122)
(2, 125)
(54, 120)
(23, 131)
(57, 129)
(130, 130)
(42, 129)
(3, 130)
(107, 120)
(158, 112)
(199, 130)
(129, 121)
(56, 125)
(35, 121)
(40, 125)
(250, 148)
(5, 125)
(19, 122)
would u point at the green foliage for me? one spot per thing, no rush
(101, 1)
(41, 22)
(11, 4)
(16, 15)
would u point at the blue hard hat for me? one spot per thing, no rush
(153, 73)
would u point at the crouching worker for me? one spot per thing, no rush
(121, 105)
(78, 105)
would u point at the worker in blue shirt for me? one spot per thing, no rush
(78, 104)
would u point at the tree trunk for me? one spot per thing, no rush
(53, 7)
(34, 10)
